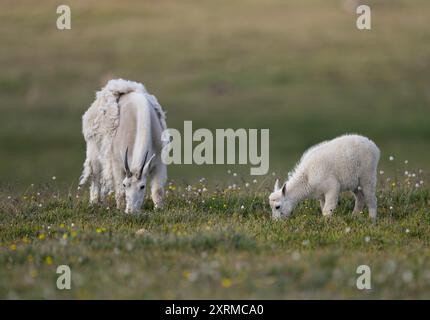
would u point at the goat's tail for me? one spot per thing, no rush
(118, 87)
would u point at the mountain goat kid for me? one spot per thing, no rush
(122, 130)
(346, 163)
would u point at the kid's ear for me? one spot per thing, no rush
(276, 187)
(284, 189)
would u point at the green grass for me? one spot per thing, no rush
(220, 243)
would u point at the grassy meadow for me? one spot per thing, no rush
(299, 68)
(214, 244)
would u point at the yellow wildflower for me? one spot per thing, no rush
(33, 273)
(48, 260)
(226, 283)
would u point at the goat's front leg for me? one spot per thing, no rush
(119, 198)
(330, 201)
(158, 181)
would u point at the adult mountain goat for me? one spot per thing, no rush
(347, 163)
(122, 130)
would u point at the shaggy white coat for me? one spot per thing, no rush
(123, 115)
(346, 163)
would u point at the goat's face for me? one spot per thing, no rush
(281, 207)
(135, 184)
(135, 190)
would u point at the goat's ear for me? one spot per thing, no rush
(146, 167)
(284, 189)
(276, 187)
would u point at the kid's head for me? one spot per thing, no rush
(281, 207)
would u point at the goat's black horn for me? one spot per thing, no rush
(127, 169)
(143, 165)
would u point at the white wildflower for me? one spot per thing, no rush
(407, 276)
(295, 256)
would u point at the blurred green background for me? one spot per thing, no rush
(300, 68)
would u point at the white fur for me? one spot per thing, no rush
(124, 115)
(346, 163)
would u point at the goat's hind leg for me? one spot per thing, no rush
(359, 201)
(96, 182)
(86, 173)
(370, 196)
(119, 189)
(95, 190)
(322, 203)
(92, 172)
(369, 192)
